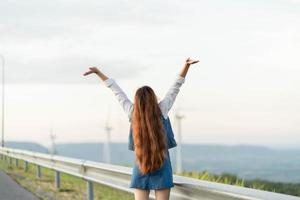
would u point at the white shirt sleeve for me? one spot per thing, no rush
(166, 103)
(121, 96)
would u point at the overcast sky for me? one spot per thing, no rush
(245, 90)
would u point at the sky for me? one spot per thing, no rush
(244, 90)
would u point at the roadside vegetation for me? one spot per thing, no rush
(75, 188)
(227, 178)
(71, 187)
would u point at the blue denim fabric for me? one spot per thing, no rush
(159, 179)
(168, 130)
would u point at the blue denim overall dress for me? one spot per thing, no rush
(161, 178)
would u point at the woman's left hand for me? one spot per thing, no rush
(92, 70)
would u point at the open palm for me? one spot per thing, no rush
(92, 70)
(190, 62)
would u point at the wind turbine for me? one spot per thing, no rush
(106, 146)
(52, 138)
(3, 97)
(178, 118)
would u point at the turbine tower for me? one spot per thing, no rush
(3, 98)
(106, 146)
(52, 138)
(178, 118)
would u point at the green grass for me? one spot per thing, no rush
(227, 178)
(71, 187)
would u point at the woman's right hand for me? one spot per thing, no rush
(190, 62)
(186, 66)
(92, 70)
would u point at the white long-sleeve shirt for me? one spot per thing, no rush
(165, 104)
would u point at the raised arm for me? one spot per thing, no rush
(119, 93)
(169, 99)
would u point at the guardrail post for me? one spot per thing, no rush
(17, 163)
(10, 161)
(38, 171)
(25, 166)
(57, 179)
(90, 190)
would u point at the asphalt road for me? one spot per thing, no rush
(10, 190)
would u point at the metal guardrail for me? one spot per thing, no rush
(118, 177)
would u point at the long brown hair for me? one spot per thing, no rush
(148, 131)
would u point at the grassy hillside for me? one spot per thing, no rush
(30, 146)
